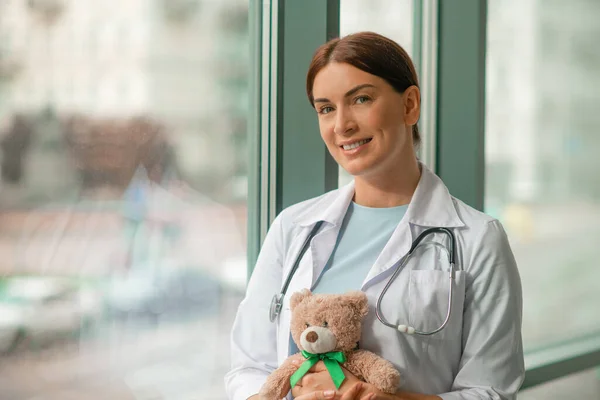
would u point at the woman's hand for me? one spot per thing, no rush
(318, 379)
(357, 391)
(317, 385)
(361, 391)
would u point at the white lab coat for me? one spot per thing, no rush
(477, 356)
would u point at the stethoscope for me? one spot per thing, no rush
(277, 302)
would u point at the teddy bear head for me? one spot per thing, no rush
(327, 322)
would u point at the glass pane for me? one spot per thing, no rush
(123, 196)
(391, 18)
(584, 385)
(542, 161)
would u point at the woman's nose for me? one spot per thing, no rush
(344, 123)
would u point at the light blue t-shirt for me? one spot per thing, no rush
(363, 235)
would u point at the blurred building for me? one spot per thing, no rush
(541, 122)
(392, 18)
(136, 57)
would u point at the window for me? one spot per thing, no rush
(123, 217)
(542, 158)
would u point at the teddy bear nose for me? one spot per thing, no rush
(312, 336)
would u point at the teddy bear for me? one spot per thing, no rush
(328, 327)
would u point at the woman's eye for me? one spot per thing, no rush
(326, 110)
(361, 99)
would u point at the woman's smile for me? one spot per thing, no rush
(350, 148)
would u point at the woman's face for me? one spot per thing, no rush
(365, 123)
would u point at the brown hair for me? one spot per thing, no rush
(372, 53)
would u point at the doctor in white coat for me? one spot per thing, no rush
(365, 91)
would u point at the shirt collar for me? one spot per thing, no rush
(431, 205)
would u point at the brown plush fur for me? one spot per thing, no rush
(342, 315)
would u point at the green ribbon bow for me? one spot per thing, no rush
(332, 361)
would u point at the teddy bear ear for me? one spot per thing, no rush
(299, 297)
(359, 301)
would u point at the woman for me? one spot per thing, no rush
(365, 91)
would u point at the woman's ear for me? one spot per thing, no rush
(412, 105)
(298, 297)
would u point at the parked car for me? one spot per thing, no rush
(41, 309)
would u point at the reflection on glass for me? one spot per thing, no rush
(542, 161)
(122, 196)
(391, 18)
(584, 385)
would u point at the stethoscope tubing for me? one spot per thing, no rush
(277, 301)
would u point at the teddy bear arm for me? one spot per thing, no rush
(277, 384)
(374, 370)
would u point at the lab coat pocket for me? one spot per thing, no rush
(429, 300)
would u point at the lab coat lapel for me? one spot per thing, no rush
(321, 250)
(330, 209)
(395, 249)
(431, 206)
